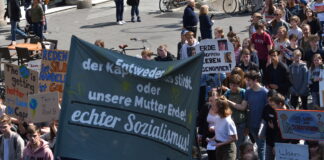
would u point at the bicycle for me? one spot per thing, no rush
(124, 48)
(167, 5)
(230, 6)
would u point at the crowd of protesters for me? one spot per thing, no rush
(277, 67)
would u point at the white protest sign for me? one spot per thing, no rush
(43, 107)
(219, 55)
(285, 151)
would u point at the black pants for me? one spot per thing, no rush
(192, 29)
(119, 9)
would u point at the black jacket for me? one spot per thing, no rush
(205, 27)
(251, 66)
(169, 57)
(189, 17)
(14, 12)
(279, 76)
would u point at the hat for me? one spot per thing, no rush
(303, 1)
(184, 31)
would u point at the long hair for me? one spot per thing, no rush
(312, 67)
(224, 109)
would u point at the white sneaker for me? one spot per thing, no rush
(13, 43)
(120, 22)
(123, 22)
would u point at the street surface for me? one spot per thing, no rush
(98, 22)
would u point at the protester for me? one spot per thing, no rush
(294, 28)
(147, 54)
(246, 44)
(12, 145)
(313, 22)
(255, 99)
(236, 94)
(313, 41)
(276, 75)
(246, 148)
(206, 122)
(281, 42)
(255, 18)
(38, 18)
(262, 43)
(293, 8)
(299, 79)
(119, 11)
(246, 65)
(268, 10)
(288, 54)
(303, 43)
(164, 54)
(205, 23)
(36, 147)
(318, 8)
(189, 18)
(277, 22)
(100, 43)
(14, 14)
(181, 43)
(218, 32)
(237, 48)
(188, 49)
(225, 131)
(314, 78)
(276, 101)
(134, 9)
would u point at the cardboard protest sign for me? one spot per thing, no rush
(35, 65)
(20, 82)
(43, 107)
(120, 107)
(285, 151)
(301, 124)
(53, 70)
(219, 55)
(321, 88)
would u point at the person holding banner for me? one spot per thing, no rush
(36, 147)
(163, 54)
(188, 49)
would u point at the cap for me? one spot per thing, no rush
(303, 1)
(184, 31)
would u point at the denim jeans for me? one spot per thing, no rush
(260, 143)
(315, 98)
(119, 9)
(134, 11)
(38, 29)
(15, 30)
(240, 135)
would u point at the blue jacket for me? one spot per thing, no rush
(205, 26)
(189, 17)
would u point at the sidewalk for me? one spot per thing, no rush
(58, 9)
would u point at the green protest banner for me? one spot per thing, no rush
(122, 107)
